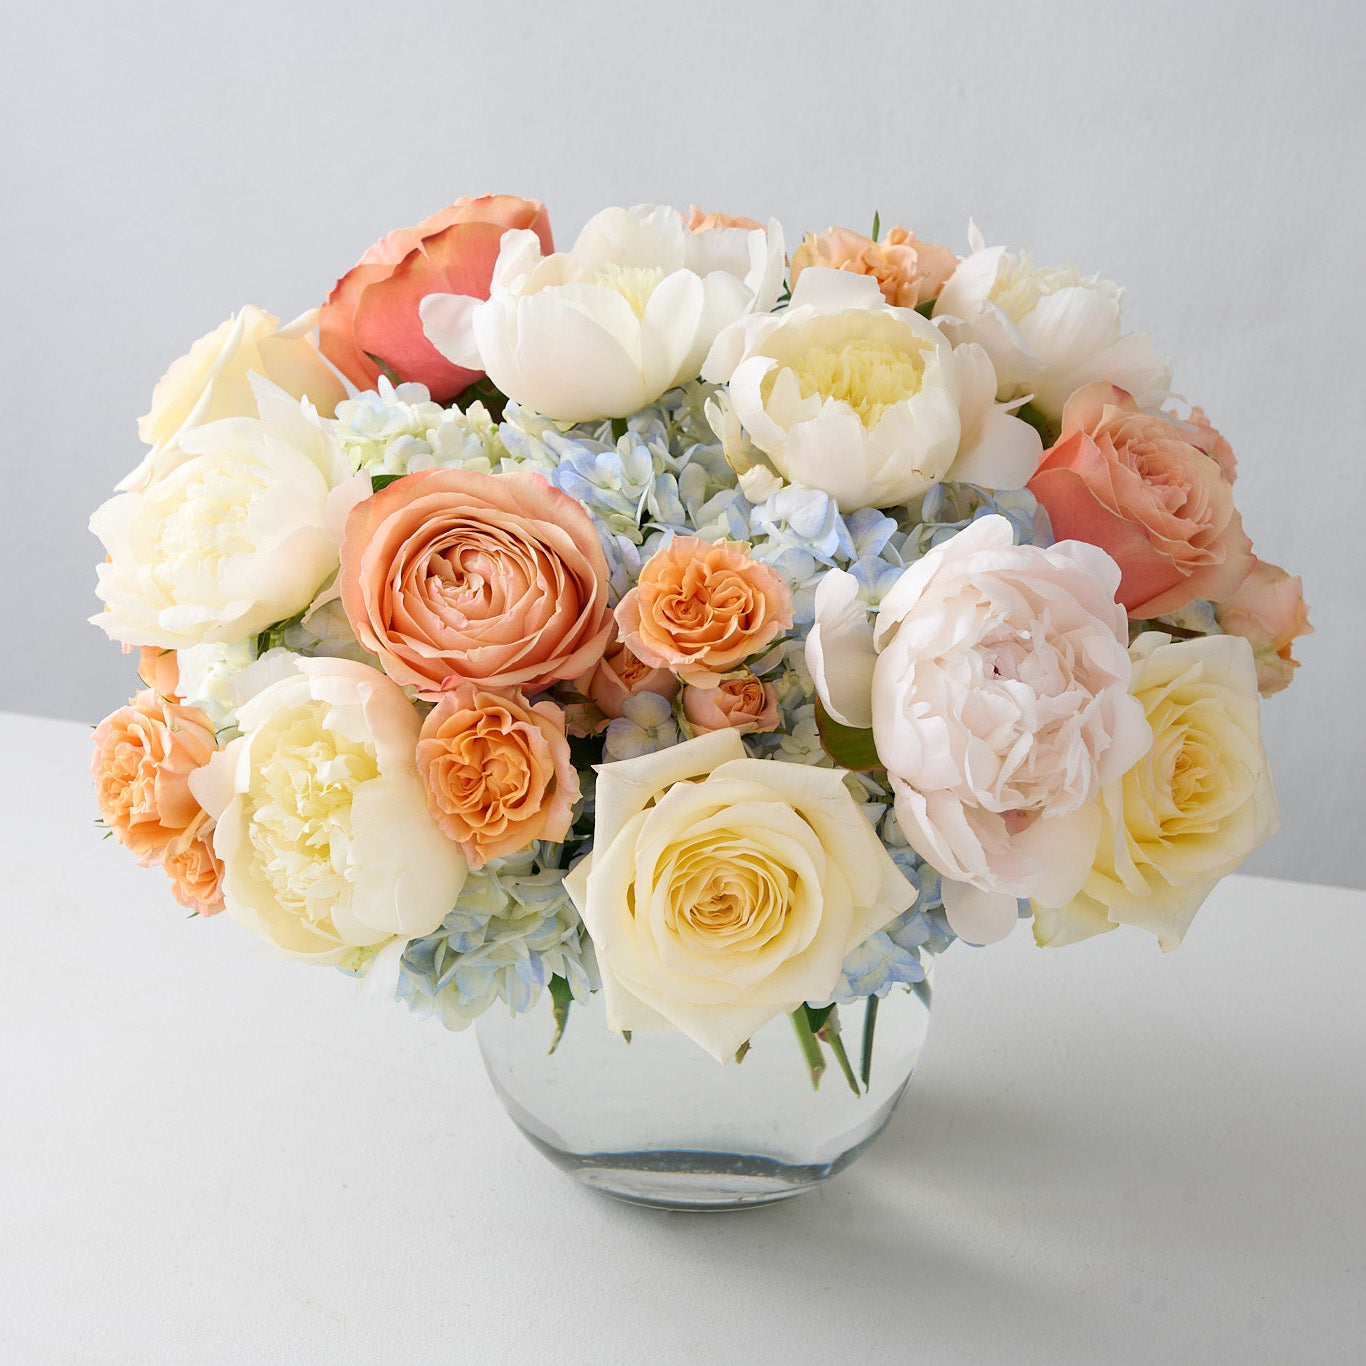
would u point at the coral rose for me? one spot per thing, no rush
(745, 705)
(144, 755)
(372, 310)
(497, 771)
(451, 576)
(1269, 612)
(907, 270)
(700, 610)
(1132, 483)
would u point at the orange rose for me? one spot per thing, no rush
(907, 270)
(1132, 483)
(700, 610)
(159, 670)
(497, 771)
(372, 310)
(144, 755)
(1269, 612)
(704, 222)
(740, 704)
(451, 576)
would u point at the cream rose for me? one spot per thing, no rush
(211, 381)
(1047, 330)
(868, 403)
(723, 891)
(236, 537)
(996, 682)
(1192, 810)
(323, 828)
(604, 329)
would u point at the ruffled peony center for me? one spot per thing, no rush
(867, 376)
(300, 831)
(209, 522)
(635, 284)
(1021, 284)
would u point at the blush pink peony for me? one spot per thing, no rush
(452, 576)
(1132, 483)
(372, 310)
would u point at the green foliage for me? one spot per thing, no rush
(848, 746)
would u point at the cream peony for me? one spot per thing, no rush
(1048, 331)
(996, 682)
(869, 403)
(1192, 810)
(234, 538)
(323, 828)
(211, 381)
(604, 329)
(723, 891)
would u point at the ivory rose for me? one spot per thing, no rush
(908, 271)
(1268, 610)
(700, 609)
(323, 828)
(723, 891)
(996, 681)
(604, 329)
(497, 771)
(1131, 482)
(236, 537)
(373, 309)
(212, 381)
(451, 576)
(745, 705)
(867, 403)
(1191, 810)
(1048, 331)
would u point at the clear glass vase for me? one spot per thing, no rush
(657, 1121)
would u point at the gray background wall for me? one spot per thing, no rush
(163, 164)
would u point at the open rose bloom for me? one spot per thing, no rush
(751, 630)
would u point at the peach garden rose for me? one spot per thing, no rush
(908, 271)
(746, 705)
(1133, 483)
(700, 609)
(451, 576)
(497, 771)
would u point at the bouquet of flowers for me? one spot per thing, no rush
(669, 618)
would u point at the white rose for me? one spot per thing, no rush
(1048, 331)
(723, 891)
(322, 822)
(996, 682)
(604, 329)
(1192, 810)
(211, 381)
(869, 403)
(237, 536)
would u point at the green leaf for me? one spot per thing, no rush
(741, 1051)
(563, 998)
(382, 481)
(484, 391)
(619, 428)
(385, 369)
(1048, 433)
(848, 746)
(877, 224)
(926, 308)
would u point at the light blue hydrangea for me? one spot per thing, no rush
(512, 929)
(646, 727)
(399, 430)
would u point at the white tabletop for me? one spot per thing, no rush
(1108, 1154)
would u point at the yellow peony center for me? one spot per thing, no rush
(635, 284)
(209, 522)
(869, 376)
(1019, 288)
(300, 827)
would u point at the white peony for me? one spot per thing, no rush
(868, 403)
(605, 329)
(322, 822)
(723, 890)
(996, 682)
(1048, 331)
(1192, 810)
(236, 536)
